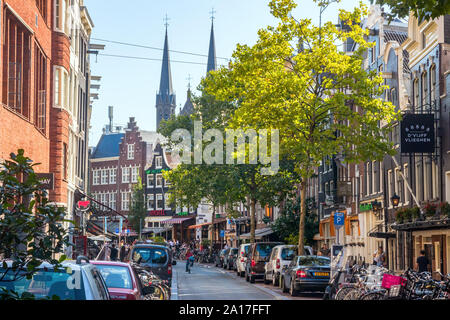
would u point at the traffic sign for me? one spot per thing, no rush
(117, 230)
(222, 233)
(339, 219)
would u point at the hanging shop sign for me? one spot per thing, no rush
(417, 133)
(47, 180)
(365, 207)
(157, 213)
(183, 214)
(156, 171)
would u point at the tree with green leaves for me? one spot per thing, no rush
(422, 9)
(31, 228)
(297, 79)
(138, 209)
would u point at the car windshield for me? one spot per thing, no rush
(313, 261)
(246, 249)
(288, 253)
(263, 250)
(150, 255)
(43, 284)
(234, 251)
(115, 276)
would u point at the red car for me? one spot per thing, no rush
(122, 281)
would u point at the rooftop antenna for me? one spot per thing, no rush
(110, 115)
(189, 78)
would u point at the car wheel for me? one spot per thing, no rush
(283, 285)
(274, 280)
(292, 290)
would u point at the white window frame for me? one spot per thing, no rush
(390, 194)
(150, 197)
(156, 182)
(130, 153)
(150, 181)
(96, 177)
(125, 203)
(104, 176)
(405, 188)
(113, 176)
(134, 174)
(159, 197)
(112, 200)
(125, 174)
(158, 162)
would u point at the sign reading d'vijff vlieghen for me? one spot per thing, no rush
(417, 133)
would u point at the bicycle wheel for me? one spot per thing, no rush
(342, 292)
(353, 294)
(373, 296)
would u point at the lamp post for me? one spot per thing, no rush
(395, 200)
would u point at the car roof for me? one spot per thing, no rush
(111, 263)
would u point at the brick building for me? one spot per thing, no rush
(45, 89)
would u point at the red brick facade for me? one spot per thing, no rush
(19, 130)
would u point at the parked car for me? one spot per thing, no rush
(241, 259)
(257, 257)
(154, 258)
(76, 280)
(280, 257)
(221, 257)
(122, 280)
(306, 273)
(230, 258)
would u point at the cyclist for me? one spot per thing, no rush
(188, 260)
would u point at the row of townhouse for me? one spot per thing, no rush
(45, 92)
(414, 60)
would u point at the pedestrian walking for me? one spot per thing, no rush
(422, 262)
(114, 253)
(123, 250)
(324, 251)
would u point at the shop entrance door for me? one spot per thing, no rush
(438, 256)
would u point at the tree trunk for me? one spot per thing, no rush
(213, 229)
(252, 220)
(301, 231)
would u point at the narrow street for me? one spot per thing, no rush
(206, 282)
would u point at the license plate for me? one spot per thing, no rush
(322, 274)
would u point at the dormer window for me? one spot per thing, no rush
(158, 162)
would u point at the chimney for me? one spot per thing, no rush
(110, 115)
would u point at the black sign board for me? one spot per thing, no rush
(47, 180)
(417, 133)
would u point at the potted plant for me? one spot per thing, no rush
(445, 209)
(399, 216)
(430, 209)
(415, 213)
(407, 215)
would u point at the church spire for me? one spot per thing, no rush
(165, 98)
(165, 87)
(212, 62)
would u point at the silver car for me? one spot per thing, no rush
(241, 259)
(280, 257)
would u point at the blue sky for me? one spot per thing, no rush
(131, 85)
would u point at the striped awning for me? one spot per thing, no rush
(199, 225)
(175, 220)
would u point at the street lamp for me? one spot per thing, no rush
(395, 200)
(377, 208)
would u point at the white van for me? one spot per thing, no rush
(281, 256)
(242, 259)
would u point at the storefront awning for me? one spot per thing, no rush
(176, 220)
(259, 233)
(220, 220)
(199, 225)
